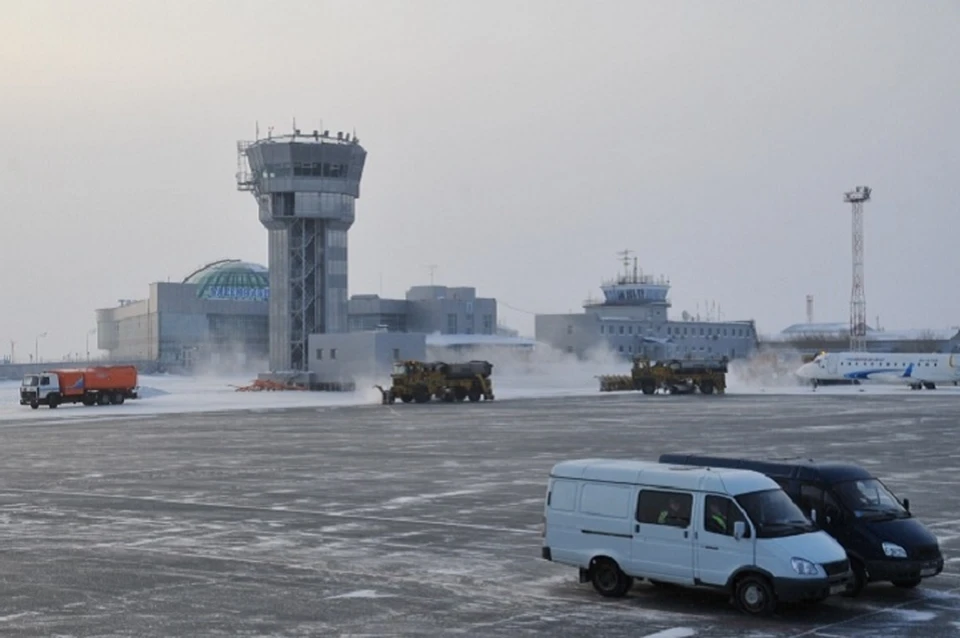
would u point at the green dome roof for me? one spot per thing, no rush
(231, 279)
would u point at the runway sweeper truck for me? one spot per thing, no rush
(99, 385)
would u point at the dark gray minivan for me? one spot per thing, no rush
(882, 538)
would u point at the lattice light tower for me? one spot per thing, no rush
(858, 299)
(305, 186)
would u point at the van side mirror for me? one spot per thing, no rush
(906, 504)
(739, 529)
(813, 515)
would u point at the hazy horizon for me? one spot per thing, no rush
(516, 146)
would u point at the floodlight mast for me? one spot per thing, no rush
(858, 299)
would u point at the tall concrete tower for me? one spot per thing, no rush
(305, 186)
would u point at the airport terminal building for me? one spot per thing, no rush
(218, 316)
(632, 320)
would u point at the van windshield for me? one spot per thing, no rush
(30, 380)
(870, 498)
(774, 514)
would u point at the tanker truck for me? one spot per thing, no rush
(100, 385)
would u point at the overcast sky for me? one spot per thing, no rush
(515, 145)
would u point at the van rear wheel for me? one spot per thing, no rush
(608, 579)
(755, 596)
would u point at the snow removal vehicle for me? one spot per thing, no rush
(422, 381)
(676, 376)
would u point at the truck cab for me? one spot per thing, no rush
(38, 388)
(882, 538)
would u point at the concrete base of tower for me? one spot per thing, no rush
(362, 358)
(346, 362)
(304, 381)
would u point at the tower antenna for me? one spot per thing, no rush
(431, 268)
(858, 299)
(625, 255)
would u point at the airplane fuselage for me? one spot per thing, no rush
(910, 369)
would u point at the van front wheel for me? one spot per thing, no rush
(608, 579)
(755, 596)
(906, 584)
(859, 580)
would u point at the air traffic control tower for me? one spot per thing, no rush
(305, 186)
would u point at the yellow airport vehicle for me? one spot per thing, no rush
(675, 376)
(422, 381)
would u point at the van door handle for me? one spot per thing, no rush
(710, 547)
(686, 534)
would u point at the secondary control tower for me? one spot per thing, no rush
(305, 186)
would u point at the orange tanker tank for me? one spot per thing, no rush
(98, 385)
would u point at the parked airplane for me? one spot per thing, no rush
(910, 369)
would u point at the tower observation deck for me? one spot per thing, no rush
(305, 186)
(632, 289)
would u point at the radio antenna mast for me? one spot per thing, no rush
(858, 298)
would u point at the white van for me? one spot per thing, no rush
(618, 520)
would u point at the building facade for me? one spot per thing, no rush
(216, 315)
(219, 315)
(358, 357)
(633, 320)
(812, 338)
(427, 309)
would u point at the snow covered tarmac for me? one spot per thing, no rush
(171, 394)
(414, 520)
